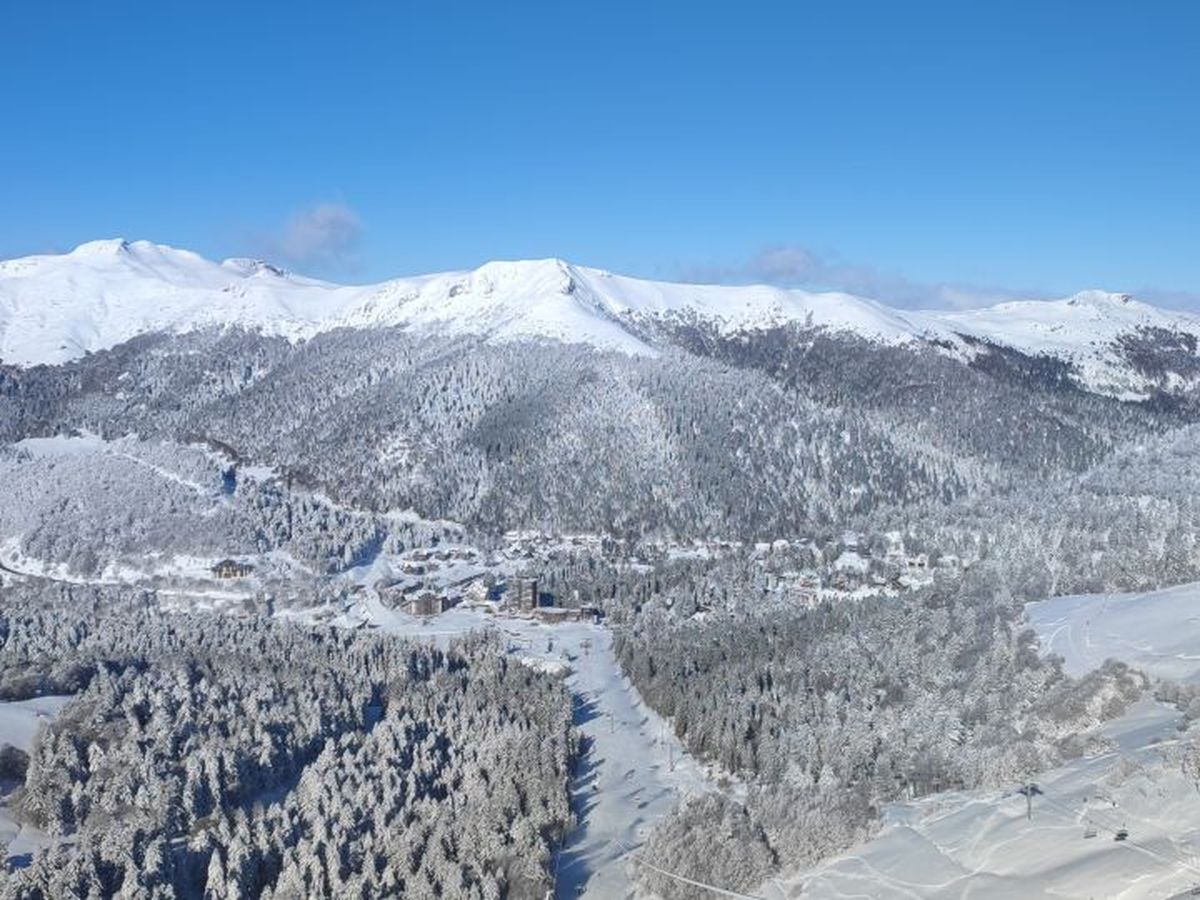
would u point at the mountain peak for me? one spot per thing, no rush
(249, 266)
(108, 247)
(531, 274)
(57, 307)
(1099, 298)
(146, 253)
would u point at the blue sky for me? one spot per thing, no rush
(924, 152)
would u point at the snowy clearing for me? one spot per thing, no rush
(1156, 631)
(19, 720)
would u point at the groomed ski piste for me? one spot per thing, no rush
(991, 844)
(633, 770)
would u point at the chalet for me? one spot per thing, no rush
(231, 568)
(851, 563)
(895, 554)
(950, 561)
(477, 591)
(808, 578)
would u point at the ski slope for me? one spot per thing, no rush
(981, 844)
(1156, 631)
(984, 845)
(633, 771)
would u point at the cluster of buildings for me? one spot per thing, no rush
(416, 594)
(431, 580)
(231, 568)
(805, 573)
(523, 546)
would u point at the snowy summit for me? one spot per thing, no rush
(54, 308)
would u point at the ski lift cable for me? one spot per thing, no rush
(1091, 817)
(1172, 860)
(720, 891)
(1107, 826)
(1100, 822)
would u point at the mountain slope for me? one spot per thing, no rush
(56, 308)
(1117, 344)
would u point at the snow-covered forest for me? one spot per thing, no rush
(565, 438)
(223, 756)
(811, 554)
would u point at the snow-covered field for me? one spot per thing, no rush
(634, 770)
(982, 844)
(19, 720)
(1156, 631)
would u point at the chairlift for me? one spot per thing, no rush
(1121, 835)
(1089, 832)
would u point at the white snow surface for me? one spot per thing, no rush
(1155, 631)
(54, 308)
(982, 844)
(1080, 329)
(20, 719)
(985, 845)
(58, 307)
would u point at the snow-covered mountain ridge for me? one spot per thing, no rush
(54, 308)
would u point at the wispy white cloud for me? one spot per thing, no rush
(794, 265)
(1168, 299)
(325, 236)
